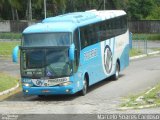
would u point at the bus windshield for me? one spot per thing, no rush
(46, 39)
(45, 62)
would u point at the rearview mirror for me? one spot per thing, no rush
(15, 54)
(72, 52)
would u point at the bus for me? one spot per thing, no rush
(68, 53)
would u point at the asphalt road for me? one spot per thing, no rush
(104, 97)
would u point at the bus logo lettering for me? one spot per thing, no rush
(90, 54)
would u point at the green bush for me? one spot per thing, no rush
(146, 37)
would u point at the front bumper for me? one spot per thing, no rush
(55, 90)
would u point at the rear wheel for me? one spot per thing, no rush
(116, 75)
(85, 86)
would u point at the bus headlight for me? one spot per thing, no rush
(65, 83)
(27, 84)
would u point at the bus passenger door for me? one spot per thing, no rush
(76, 72)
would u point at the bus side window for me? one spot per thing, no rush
(94, 34)
(83, 44)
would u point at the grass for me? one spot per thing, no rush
(7, 81)
(156, 49)
(10, 36)
(7, 47)
(11, 94)
(146, 37)
(150, 97)
(134, 52)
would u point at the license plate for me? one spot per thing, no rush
(49, 82)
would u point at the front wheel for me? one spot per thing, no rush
(85, 86)
(116, 75)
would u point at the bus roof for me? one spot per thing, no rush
(69, 22)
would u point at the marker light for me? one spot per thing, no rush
(68, 90)
(65, 83)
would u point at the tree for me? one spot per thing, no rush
(15, 6)
(140, 9)
(136, 9)
(155, 13)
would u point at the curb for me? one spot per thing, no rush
(144, 55)
(153, 53)
(9, 90)
(141, 106)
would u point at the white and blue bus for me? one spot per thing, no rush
(68, 53)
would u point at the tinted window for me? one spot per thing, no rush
(91, 34)
(46, 39)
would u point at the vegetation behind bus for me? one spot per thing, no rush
(10, 36)
(136, 9)
(144, 36)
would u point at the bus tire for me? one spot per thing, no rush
(85, 87)
(116, 75)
